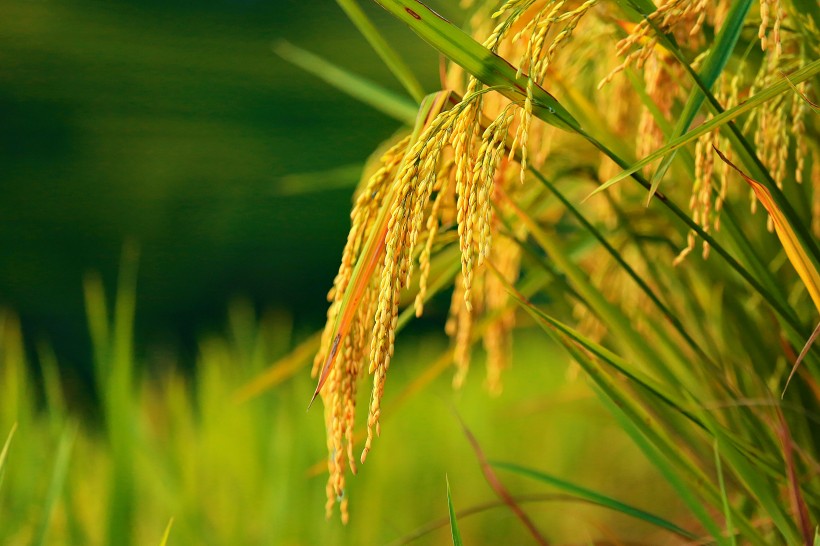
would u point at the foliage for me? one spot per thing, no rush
(690, 354)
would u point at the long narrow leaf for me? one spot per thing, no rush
(791, 244)
(55, 488)
(650, 437)
(498, 487)
(454, 532)
(805, 73)
(167, 534)
(370, 93)
(391, 59)
(489, 68)
(724, 497)
(803, 353)
(595, 497)
(714, 64)
(5, 451)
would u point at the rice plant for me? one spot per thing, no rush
(596, 169)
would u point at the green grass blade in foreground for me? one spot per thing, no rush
(627, 338)
(727, 513)
(5, 452)
(167, 533)
(615, 397)
(489, 68)
(683, 473)
(643, 285)
(763, 490)
(55, 487)
(387, 54)
(744, 149)
(805, 73)
(672, 476)
(595, 497)
(114, 375)
(370, 93)
(456, 534)
(714, 64)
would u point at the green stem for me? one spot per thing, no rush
(391, 58)
(733, 263)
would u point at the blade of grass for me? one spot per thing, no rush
(664, 449)
(116, 383)
(489, 68)
(477, 509)
(498, 487)
(727, 512)
(55, 401)
(454, 532)
(167, 533)
(713, 65)
(805, 73)
(58, 476)
(370, 93)
(791, 244)
(671, 475)
(595, 498)
(4, 453)
(96, 310)
(342, 177)
(801, 511)
(744, 149)
(665, 311)
(800, 358)
(391, 58)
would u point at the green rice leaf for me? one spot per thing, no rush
(672, 475)
(714, 64)
(389, 55)
(627, 338)
(167, 533)
(692, 485)
(456, 534)
(489, 68)
(372, 94)
(763, 490)
(596, 498)
(55, 488)
(727, 512)
(642, 284)
(4, 453)
(805, 73)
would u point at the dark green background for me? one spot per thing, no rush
(173, 125)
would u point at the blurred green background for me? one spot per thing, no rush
(175, 126)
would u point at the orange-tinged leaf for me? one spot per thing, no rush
(794, 250)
